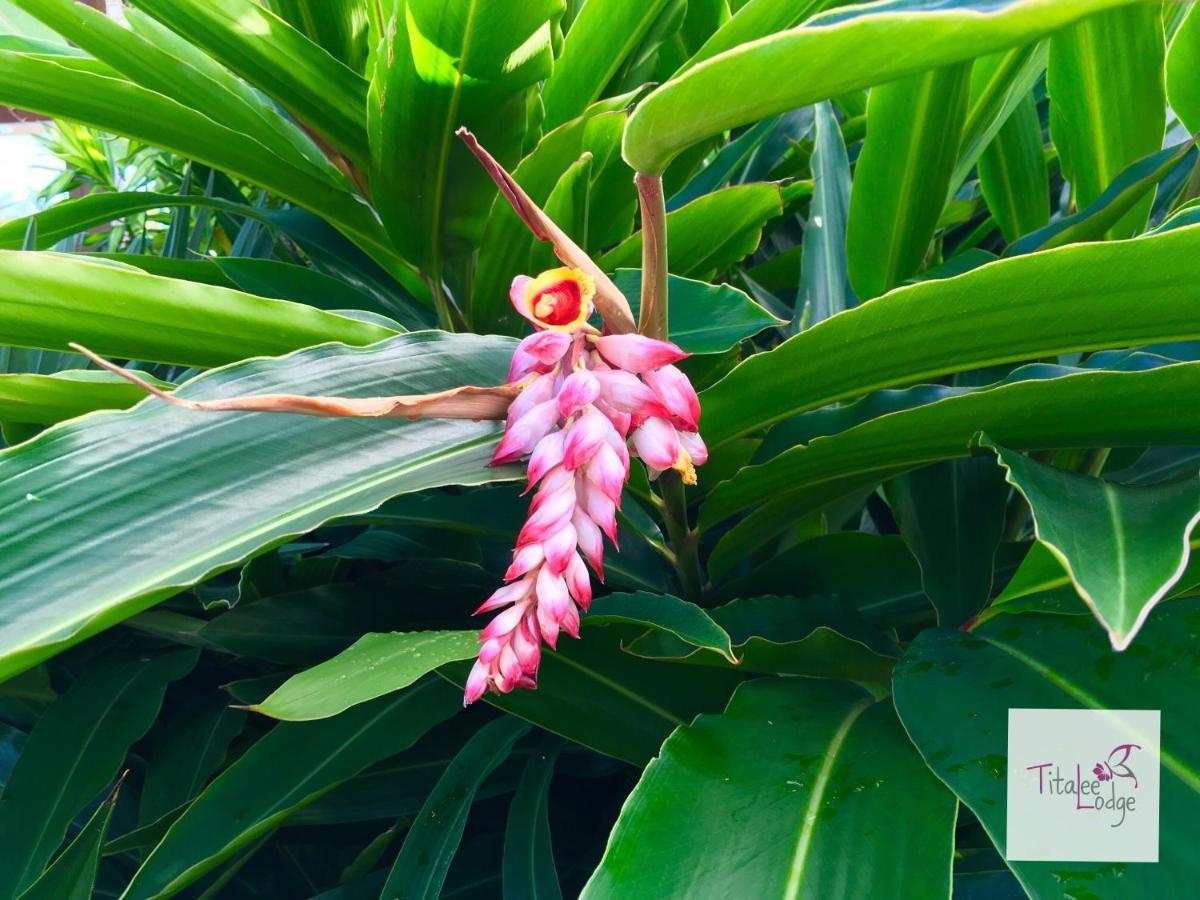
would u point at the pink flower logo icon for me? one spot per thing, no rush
(1101, 772)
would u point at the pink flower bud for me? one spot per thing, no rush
(577, 391)
(522, 435)
(477, 682)
(657, 443)
(585, 436)
(625, 393)
(547, 347)
(525, 560)
(556, 509)
(559, 548)
(676, 394)
(579, 583)
(590, 540)
(694, 446)
(505, 622)
(489, 651)
(509, 593)
(546, 455)
(539, 390)
(637, 353)
(606, 472)
(600, 509)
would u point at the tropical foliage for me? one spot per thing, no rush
(935, 265)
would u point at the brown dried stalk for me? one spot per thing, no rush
(466, 402)
(610, 302)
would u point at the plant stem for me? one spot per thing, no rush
(683, 539)
(652, 320)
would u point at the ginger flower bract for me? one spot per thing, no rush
(587, 400)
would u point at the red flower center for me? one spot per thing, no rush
(558, 304)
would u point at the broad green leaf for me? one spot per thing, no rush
(1107, 102)
(704, 318)
(832, 54)
(186, 752)
(1000, 82)
(568, 207)
(420, 870)
(684, 621)
(816, 636)
(282, 772)
(528, 866)
(753, 20)
(876, 575)
(1081, 297)
(375, 665)
(594, 693)
(1100, 409)
(1123, 545)
(601, 38)
(74, 751)
(118, 311)
(914, 128)
(446, 64)
(1183, 58)
(1136, 182)
(1039, 572)
(321, 92)
(825, 285)
(72, 876)
(234, 474)
(50, 86)
(340, 26)
(709, 234)
(951, 515)
(46, 399)
(724, 166)
(795, 771)
(1054, 662)
(1012, 174)
(160, 61)
(506, 247)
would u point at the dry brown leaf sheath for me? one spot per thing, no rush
(466, 402)
(610, 302)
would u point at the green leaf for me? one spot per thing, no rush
(311, 84)
(234, 474)
(1123, 545)
(709, 234)
(46, 399)
(420, 870)
(1054, 662)
(1012, 174)
(795, 771)
(528, 866)
(1094, 409)
(72, 876)
(914, 127)
(74, 751)
(1107, 101)
(600, 39)
(951, 515)
(1183, 92)
(282, 772)
(704, 318)
(375, 665)
(186, 752)
(684, 621)
(825, 284)
(340, 26)
(54, 87)
(444, 65)
(832, 54)
(816, 636)
(1081, 297)
(158, 60)
(1136, 181)
(753, 20)
(124, 312)
(1000, 82)
(594, 693)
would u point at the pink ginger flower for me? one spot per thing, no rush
(585, 397)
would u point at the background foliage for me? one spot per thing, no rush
(937, 265)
